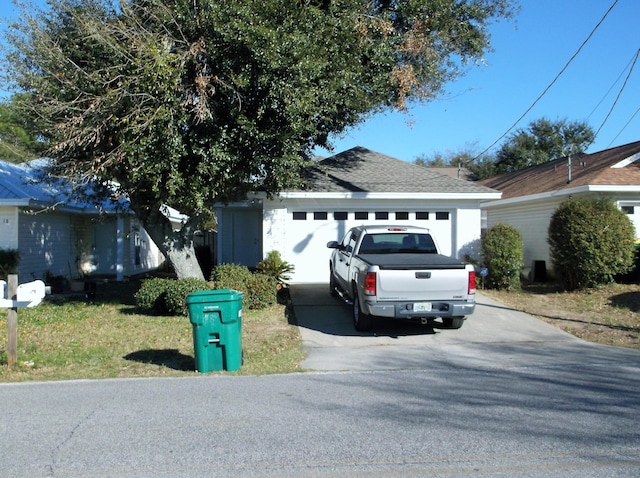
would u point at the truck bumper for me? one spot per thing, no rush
(407, 310)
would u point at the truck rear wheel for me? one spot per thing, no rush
(361, 321)
(453, 322)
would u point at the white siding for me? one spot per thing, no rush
(532, 221)
(9, 227)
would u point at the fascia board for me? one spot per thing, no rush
(366, 195)
(563, 193)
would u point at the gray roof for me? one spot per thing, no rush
(362, 170)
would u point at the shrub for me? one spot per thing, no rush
(167, 296)
(274, 266)
(591, 241)
(262, 291)
(259, 289)
(502, 252)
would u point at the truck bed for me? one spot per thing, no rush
(400, 261)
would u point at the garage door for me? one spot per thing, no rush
(308, 232)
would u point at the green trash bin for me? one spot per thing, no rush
(216, 317)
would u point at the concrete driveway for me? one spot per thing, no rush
(494, 336)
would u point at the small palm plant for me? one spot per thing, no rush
(274, 266)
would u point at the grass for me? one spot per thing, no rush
(68, 338)
(606, 315)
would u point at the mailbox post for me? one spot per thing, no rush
(13, 296)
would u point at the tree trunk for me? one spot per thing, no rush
(177, 246)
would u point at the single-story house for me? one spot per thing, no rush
(355, 187)
(531, 196)
(61, 237)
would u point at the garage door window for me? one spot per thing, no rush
(340, 215)
(299, 216)
(320, 216)
(382, 215)
(422, 215)
(442, 216)
(362, 215)
(402, 216)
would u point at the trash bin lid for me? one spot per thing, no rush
(217, 295)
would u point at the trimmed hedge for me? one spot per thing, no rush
(260, 290)
(590, 241)
(502, 252)
(167, 296)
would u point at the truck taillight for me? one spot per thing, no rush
(472, 282)
(370, 283)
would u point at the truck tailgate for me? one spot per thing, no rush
(422, 277)
(436, 284)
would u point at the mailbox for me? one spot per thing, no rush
(28, 294)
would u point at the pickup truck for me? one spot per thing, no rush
(397, 272)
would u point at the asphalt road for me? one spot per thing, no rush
(490, 399)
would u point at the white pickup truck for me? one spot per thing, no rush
(397, 272)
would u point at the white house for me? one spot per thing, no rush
(354, 187)
(57, 236)
(531, 196)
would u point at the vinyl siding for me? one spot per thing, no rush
(532, 221)
(46, 245)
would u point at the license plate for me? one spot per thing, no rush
(422, 307)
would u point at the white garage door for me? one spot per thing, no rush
(308, 232)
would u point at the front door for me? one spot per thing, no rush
(246, 248)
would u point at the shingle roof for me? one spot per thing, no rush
(362, 170)
(587, 169)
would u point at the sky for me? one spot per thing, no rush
(489, 102)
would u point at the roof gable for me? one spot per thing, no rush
(362, 170)
(618, 166)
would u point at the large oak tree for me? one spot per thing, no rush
(187, 102)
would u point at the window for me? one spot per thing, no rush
(362, 215)
(382, 215)
(299, 216)
(627, 209)
(320, 216)
(402, 216)
(340, 215)
(442, 216)
(422, 215)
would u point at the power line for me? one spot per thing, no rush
(553, 82)
(612, 85)
(619, 93)
(624, 127)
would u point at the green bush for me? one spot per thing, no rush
(502, 252)
(262, 291)
(591, 241)
(167, 296)
(259, 289)
(274, 266)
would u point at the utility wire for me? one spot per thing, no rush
(552, 83)
(612, 85)
(619, 93)
(624, 127)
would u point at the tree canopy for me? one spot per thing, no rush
(18, 140)
(543, 140)
(187, 102)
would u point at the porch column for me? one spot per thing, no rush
(120, 249)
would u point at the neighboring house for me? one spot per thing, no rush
(355, 187)
(531, 196)
(57, 236)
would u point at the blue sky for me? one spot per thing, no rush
(528, 53)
